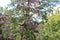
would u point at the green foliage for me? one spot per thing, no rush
(15, 31)
(53, 28)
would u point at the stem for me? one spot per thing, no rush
(29, 1)
(0, 30)
(22, 36)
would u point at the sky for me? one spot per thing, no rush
(4, 3)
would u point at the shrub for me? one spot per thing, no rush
(52, 28)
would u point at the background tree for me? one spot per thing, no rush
(52, 28)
